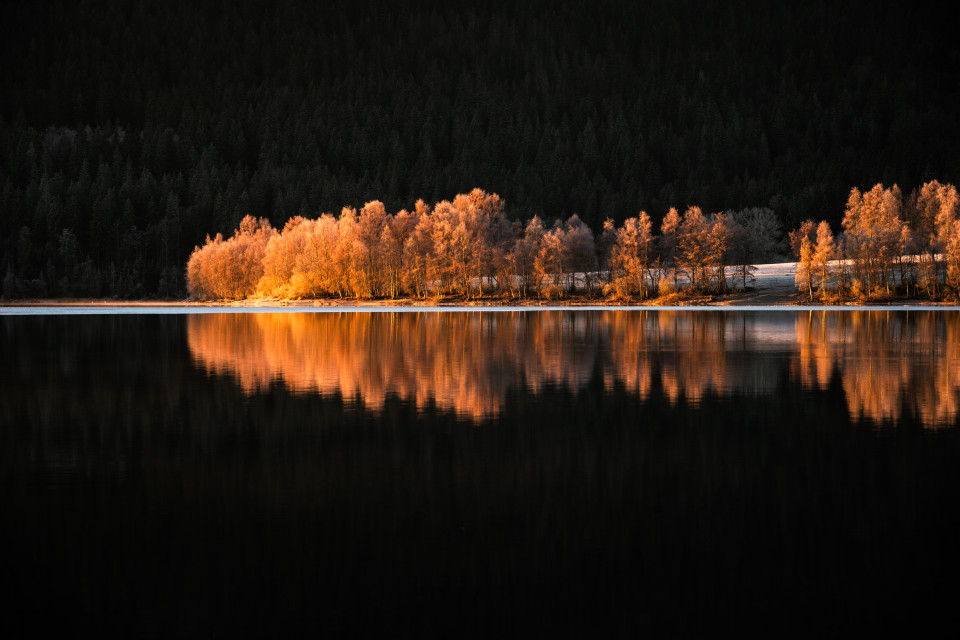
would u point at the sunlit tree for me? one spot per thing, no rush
(930, 211)
(668, 242)
(230, 269)
(952, 257)
(807, 230)
(630, 257)
(315, 272)
(552, 262)
(476, 212)
(823, 254)
(802, 242)
(715, 267)
(805, 266)
(200, 271)
(393, 240)
(346, 272)
(280, 258)
(448, 244)
(369, 270)
(872, 223)
(418, 253)
(694, 250)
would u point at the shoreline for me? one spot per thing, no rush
(773, 288)
(92, 307)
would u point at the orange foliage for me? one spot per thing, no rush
(230, 269)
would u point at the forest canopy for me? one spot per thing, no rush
(130, 130)
(889, 245)
(468, 248)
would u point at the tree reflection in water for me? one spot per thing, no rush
(667, 472)
(888, 363)
(468, 362)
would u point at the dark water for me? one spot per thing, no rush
(479, 474)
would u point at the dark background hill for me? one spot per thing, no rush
(131, 130)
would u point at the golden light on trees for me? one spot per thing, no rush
(467, 248)
(230, 269)
(888, 246)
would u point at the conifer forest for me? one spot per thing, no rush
(132, 131)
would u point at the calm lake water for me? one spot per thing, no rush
(480, 473)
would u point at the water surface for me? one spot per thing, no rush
(480, 473)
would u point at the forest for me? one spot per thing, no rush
(468, 248)
(131, 130)
(889, 246)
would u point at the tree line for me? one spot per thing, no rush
(890, 245)
(467, 247)
(129, 130)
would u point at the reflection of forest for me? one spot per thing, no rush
(463, 362)
(135, 477)
(888, 363)
(467, 362)
(686, 353)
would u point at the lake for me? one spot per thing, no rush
(504, 472)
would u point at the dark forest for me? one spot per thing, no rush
(129, 131)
